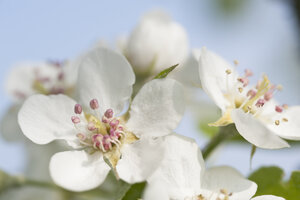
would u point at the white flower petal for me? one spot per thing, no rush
(182, 168)
(139, 159)
(155, 191)
(46, 118)
(70, 70)
(255, 132)
(230, 180)
(20, 80)
(188, 72)
(157, 109)
(157, 38)
(214, 80)
(77, 170)
(106, 76)
(288, 129)
(268, 197)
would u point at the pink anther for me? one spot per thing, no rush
(94, 104)
(78, 109)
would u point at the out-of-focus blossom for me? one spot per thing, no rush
(101, 136)
(182, 176)
(156, 43)
(47, 78)
(257, 116)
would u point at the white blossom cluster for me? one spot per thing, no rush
(90, 105)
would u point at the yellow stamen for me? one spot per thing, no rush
(38, 86)
(228, 71)
(285, 119)
(224, 120)
(285, 106)
(262, 89)
(240, 89)
(98, 124)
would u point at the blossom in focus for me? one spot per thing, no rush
(157, 42)
(103, 137)
(258, 117)
(182, 176)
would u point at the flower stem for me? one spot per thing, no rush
(42, 184)
(225, 133)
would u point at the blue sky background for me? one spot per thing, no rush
(260, 34)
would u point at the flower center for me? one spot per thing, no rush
(103, 134)
(250, 100)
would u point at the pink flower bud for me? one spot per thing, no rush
(78, 109)
(94, 104)
(109, 113)
(75, 119)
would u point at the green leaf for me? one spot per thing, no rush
(165, 72)
(7, 181)
(135, 192)
(253, 150)
(270, 181)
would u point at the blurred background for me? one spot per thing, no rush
(262, 34)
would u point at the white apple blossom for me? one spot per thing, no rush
(101, 136)
(49, 77)
(187, 72)
(256, 115)
(182, 176)
(157, 42)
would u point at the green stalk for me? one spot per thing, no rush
(225, 133)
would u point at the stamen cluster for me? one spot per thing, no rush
(222, 195)
(104, 134)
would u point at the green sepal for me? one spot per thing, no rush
(164, 73)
